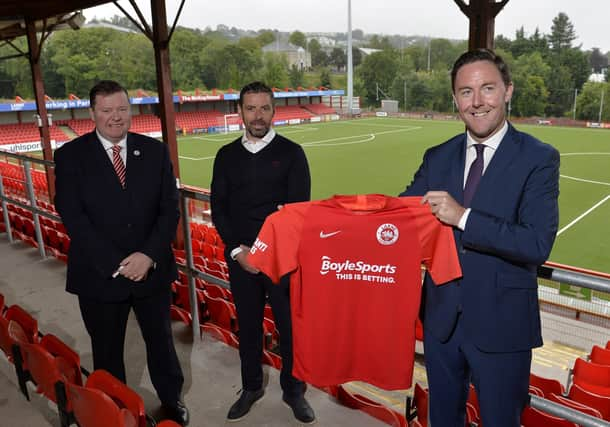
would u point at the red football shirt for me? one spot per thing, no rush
(356, 282)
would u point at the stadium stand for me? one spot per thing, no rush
(28, 132)
(289, 112)
(319, 109)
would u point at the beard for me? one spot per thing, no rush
(258, 129)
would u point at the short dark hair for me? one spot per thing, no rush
(105, 87)
(254, 87)
(480, 55)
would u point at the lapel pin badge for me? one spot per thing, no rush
(136, 153)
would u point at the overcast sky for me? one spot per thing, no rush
(435, 18)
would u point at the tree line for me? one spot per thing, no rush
(549, 72)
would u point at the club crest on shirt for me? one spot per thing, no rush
(387, 234)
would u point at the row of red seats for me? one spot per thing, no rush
(54, 369)
(218, 316)
(27, 132)
(54, 236)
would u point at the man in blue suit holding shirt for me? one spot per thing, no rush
(498, 188)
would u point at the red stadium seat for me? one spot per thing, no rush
(168, 423)
(547, 385)
(222, 313)
(600, 355)
(51, 364)
(374, 409)
(272, 359)
(574, 405)
(596, 401)
(106, 401)
(216, 291)
(180, 314)
(16, 325)
(220, 334)
(534, 418)
(592, 377)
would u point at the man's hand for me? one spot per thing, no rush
(242, 259)
(444, 207)
(135, 267)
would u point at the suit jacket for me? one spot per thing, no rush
(509, 233)
(106, 223)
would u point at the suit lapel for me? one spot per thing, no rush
(135, 161)
(497, 172)
(457, 172)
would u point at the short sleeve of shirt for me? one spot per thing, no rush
(438, 247)
(275, 250)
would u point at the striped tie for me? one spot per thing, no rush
(118, 164)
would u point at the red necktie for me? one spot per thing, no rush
(474, 175)
(118, 164)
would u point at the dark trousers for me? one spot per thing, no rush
(249, 293)
(500, 379)
(106, 323)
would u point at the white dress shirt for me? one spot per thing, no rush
(491, 145)
(108, 147)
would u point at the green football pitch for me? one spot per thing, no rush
(380, 155)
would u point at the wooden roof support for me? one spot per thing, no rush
(35, 47)
(481, 14)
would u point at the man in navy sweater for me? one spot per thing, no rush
(253, 176)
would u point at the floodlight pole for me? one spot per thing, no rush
(574, 109)
(350, 68)
(601, 107)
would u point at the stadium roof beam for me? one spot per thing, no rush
(481, 14)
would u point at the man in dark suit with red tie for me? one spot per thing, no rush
(498, 188)
(117, 196)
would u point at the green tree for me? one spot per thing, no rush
(319, 58)
(562, 33)
(338, 58)
(265, 37)
(597, 60)
(296, 76)
(297, 38)
(274, 70)
(561, 91)
(529, 73)
(378, 68)
(589, 100)
(325, 77)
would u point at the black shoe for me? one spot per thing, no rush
(176, 412)
(242, 406)
(300, 408)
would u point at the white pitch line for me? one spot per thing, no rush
(360, 141)
(366, 135)
(196, 158)
(602, 153)
(585, 180)
(587, 212)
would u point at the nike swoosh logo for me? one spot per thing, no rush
(324, 235)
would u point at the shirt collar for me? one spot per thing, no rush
(492, 142)
(108, 145)
(264, 140)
